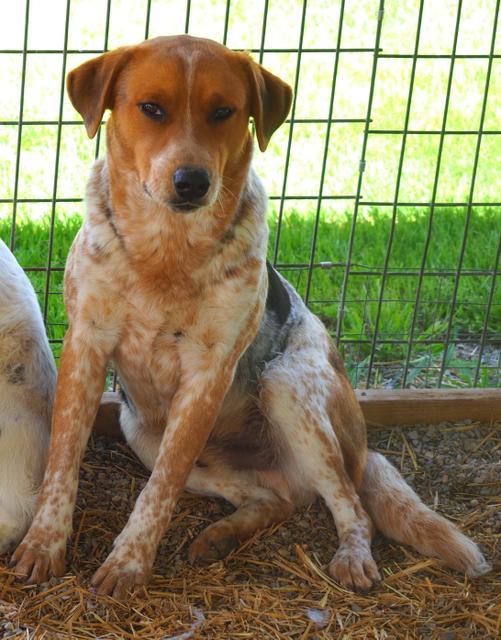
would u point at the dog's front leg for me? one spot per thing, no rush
(192, 415)
(81, 379)
(206, 375)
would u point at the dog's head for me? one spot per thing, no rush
(180, 112)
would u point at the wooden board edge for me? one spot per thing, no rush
(381, 407)
(394, 407)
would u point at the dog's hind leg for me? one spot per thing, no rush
(297, 396)
(257, 508)
(23, 443)
(142, 438)
(24, 437)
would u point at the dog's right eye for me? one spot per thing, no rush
(152, 110)
(222, 113)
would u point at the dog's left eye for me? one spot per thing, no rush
(152, 110)
(222, 113)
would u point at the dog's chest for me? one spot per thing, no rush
(146, 356)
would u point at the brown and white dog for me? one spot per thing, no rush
(27, 385)
(231, 385)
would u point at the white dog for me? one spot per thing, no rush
(27, 384)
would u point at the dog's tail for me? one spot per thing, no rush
(400, 515)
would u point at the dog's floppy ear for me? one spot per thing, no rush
(271, 100)
(91, 86)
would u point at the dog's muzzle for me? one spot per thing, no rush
(191, 185)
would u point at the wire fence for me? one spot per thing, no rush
(407, 284)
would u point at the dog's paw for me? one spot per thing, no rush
(355, 569)
(40, 556)
(214, 543)
(117, 578)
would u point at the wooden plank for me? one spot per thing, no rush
(392, 407)
(381, 407)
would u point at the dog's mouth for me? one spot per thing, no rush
(184, 206)
(179, 206)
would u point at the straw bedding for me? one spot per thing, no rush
(274, 586)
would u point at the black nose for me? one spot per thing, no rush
(191, 183)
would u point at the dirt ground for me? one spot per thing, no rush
(274, 586)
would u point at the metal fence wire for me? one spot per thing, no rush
(385, 210)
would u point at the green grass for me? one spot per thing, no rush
(396, 313)
(369, 249)
(370, 246)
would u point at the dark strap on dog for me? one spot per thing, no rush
(278, 299)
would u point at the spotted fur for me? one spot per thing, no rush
(233, 387)
(27, 384)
